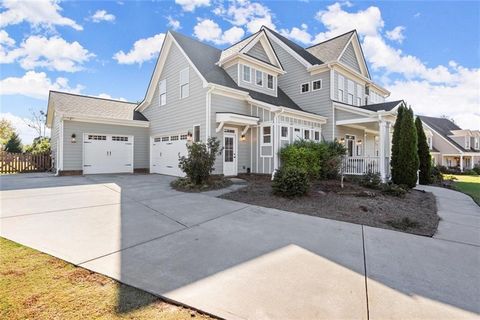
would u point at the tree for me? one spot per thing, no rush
(424, 156)
(396, 143)
(14, 144)
(405, 161)
(37, 122)
(6, 131)
(39, 145)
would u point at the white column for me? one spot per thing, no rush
(276, 141)
(461, 163)
(382, 148)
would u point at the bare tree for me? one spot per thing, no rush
(37, 122)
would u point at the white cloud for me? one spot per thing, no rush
(396, 34)
(252, 15)
(26, 133)
(191, 5)
(208, 30)
(143, 50)
(35, 85)
(53, 53)
(5, 39)
(298, 35)
(39, 13)
(107, 96)
(173, 23)
(102, 15)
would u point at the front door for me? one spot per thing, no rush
(229, 152)
(350, 140)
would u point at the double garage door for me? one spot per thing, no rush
(107, 153)
(165, 151)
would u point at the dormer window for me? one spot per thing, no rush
(467, 142)
(259, 78)
(269, 81)
(246, 73)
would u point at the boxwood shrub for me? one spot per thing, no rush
(290, 182)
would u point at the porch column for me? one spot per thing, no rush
(383, 136)
(461, 163)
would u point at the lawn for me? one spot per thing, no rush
(467, 184)
(34, 285)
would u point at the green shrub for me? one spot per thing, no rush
(371, 180)
(331, 159)
(290, 182)
(470, 172)
(199, 163)
(476, 168)
(392, 189)
(436, 175)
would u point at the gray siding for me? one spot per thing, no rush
(258, 52)
(349, 58)
(314, 101)
(443, 146)
(233, 72)
(54, 138)
(356, 92)
(252, 85)
(178, 115)
(73, 152)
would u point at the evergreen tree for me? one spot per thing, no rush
(14, 144)
(407, 154)
(396, 144)
(423, 154)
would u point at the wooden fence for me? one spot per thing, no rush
(24, 162)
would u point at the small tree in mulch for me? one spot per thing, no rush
(405, 157)
(14, 144)
(425, 175)
(199, 163)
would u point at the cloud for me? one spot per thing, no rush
(143, 50)
(252, 15)
(39, 13)
(396, 34)
(35, 85)
(191, 5)
(173, 23)
(299, 35)
(53, 53)
(26, 133)
(208, 30)
(5, 39)
(102, 15)
(107, 96)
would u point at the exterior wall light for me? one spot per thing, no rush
(342, 140)
(189, 136)
(74, 138)
(243, 137)
(359, 141)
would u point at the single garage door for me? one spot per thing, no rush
(165, 153)
(107, 153)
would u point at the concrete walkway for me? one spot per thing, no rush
(239, 261)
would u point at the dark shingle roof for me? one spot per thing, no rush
(298, 49)
(384, 106)
(444, 127)
(204, 57)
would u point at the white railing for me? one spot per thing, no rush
(360, 165)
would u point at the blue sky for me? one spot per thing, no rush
(424, 52)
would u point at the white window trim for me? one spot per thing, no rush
(301, 87)
(294, 137)
(287, 138)
(183, 84)
(262, 143)
(193, 132)
(164, 93)
(319, 135)
(261, 76)
(243, 73)
(321, 85)
(309, 134)
(273, 81)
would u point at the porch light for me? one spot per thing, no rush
(74, 136)
(359, 141)
(342, 140)
(243, 137)
(189, 136)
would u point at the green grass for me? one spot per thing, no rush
(467, 184)
(34, 285)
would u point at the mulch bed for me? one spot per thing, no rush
(415, 213)
(213, 183)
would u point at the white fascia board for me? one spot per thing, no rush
(445, 139)
(119, 122)
(262, 38)
(262, 66)
(239, 119)
(349, 72)
(356, 110)
(355, 121)
(288, 49)
(304, 115)
(50, 111)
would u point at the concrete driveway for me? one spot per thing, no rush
(240, 261)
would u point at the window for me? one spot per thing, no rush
(173, 138)
(350, 88)
(306, 134)
(116, 138)
(316, 85)
(359, 101)
(246, 73)
(477, 143)
(184, 83)
(350, 140)
(196, 134)
(316, 135)
(165, 139)
(359, 95)
(284, 133)
(267, 135)
(297, 134)
(259, 78)
(359, 149)
(467, 142)
(163, 92)
(341, 87)
(305, 87)
(183, 137)
(95, 137)
(269, 81)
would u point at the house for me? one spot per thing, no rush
(255, 97)
(450, 145)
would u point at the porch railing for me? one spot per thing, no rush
(360, 165)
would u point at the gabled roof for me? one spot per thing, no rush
(444, 127)
(310, 58)
(237, 47)
(75, 105)
(331, 49)
(204, 57)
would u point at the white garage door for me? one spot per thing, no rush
(165, 153)
(107, 153)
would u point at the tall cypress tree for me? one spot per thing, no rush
(14, 144)
(423, 154)
(408, 155)
(396, 144)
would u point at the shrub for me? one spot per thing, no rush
(470, 172)
(442, 169)
(476, 168)
(436, 175)
(331, 159)
(199, 163)
(290, 182)
(392, 189)
(371, 180)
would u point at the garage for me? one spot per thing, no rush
(107, 153)
(165, 151)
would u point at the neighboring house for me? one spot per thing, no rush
(256, 96)
(450, 145)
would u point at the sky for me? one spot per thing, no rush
(425, 52)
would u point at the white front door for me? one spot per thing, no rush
(106, 153)
(229, 152)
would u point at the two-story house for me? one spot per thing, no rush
(450, 145)
(255, 96)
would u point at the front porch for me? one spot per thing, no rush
(460, 162)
